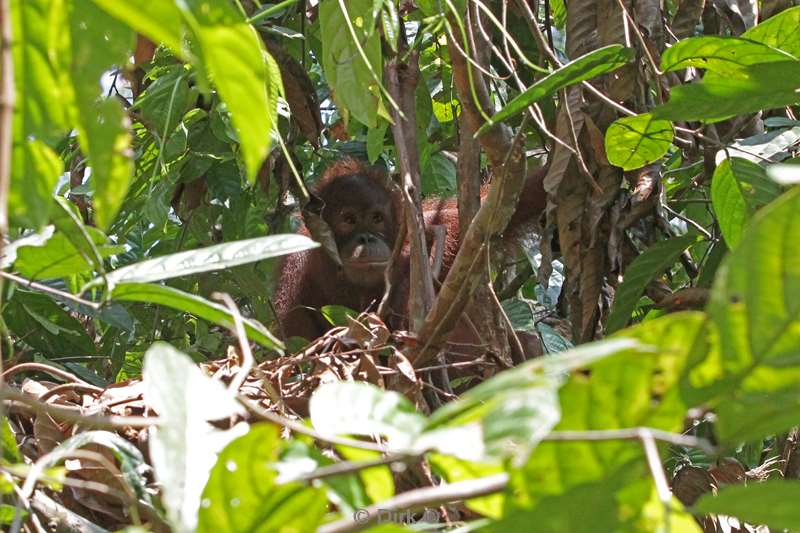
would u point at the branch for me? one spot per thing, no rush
(76, 415)
(507, 157)
(401, 82)
(415, 499)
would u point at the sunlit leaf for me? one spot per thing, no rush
(633, 142)
(345, 70)
(779, 31)
(233, 502)
(58, 257)
(214, 257)
(722, 55)
(586, 67)
(508, 415)
(235, 58)
(159, 21)
(36, 168)
(184, 446)
(738, 189)
(755, 307)
(358, 408)
(99, 42)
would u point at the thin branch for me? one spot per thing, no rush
(49, 290)
(687, 441)
(247, 361)
(41, 367)
(299, 427)
(76, 415)
(416, 499)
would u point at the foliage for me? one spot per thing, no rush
(159, 149)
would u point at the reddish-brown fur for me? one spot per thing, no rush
(309, 280)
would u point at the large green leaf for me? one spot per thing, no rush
(755, 305)
(738, 189)
(762, 86)
(196, 305)
(348, 75)
(59, 258)
(214, 257)
(233, 502)
(99, 42)
(159, 21)
(633, 142)
(586, 67)
(721, 55)
(652, 262)
(605, 486)
(779, 31)
(235, 59)
(509, 414)
(40, 114)
(184, 446)
(35, 171)
(772, 503)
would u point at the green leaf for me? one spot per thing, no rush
(345, 70)
(566, 485)
(158, 21)
(633, 142)
(162, 105)
(738, 189)
(58, 257)
(375, 138)
(214, 257)
(184, 445)
(196, 305)
(779, 31)
(235, 59)
(762, 86)
(586, 67)
(509, 414)
(109, 155)
(651, 263)
(39, 65)
(35, 171)
(338, 315)
(233, 502)
(755, 304)
(358, 408)
(67, 220)
(439, 176)
(98, 42)
(45, 326)
(452, 469)
(8, 443)
(772, 503)
(721, 55)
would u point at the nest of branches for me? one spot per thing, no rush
(47, 407)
